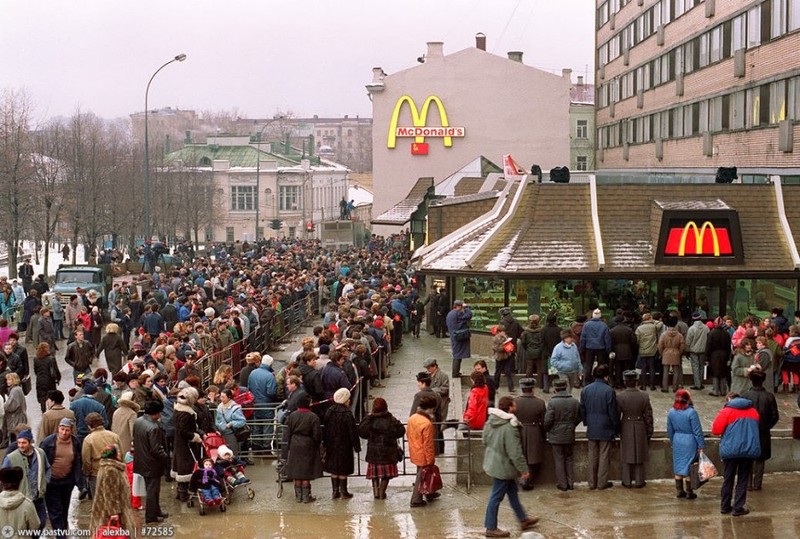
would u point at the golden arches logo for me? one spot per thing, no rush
(419, 119)
(699, 234)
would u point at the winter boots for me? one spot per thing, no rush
(339, 487)
(183, 492)
(335, 488)
(679, 488)
(298, 494)
(688, 493)
(376, 485)
(305, 494)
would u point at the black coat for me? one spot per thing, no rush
(530, 412)
(47, 376)
(623, 341)
(551, 336)
(304, 437)
(767, 408)
(718, 352)
(149, 440)
(185, 451)
(340, 437)
(381, 432)
(562, 416)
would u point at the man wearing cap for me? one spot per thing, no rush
(189, 368)
(84, 406)
(63, 452)
(149, 439)
(696, 342)
(16, 510)
(440, 384)
(601, 417)
(595, 344)
(566, 359)
(35, 470)
(93, 446)
(424, 387)
(261, 383)
(530, 411)
(562, 416)
(636, 419)
(51, 419)
(457, 322)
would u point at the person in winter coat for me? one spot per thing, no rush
(261, 383)
(304, 437)
(47, 373)
(595, 344)
(477, 402)
(381, 430)
(740, 366)
(123, 419)
(696, 345)
(601, 417)
(417, 312)
(671, 345)
(79, 355)
(457, 322)
(47, 331)
(636, 420)
(767, 408)
(562, 416)
(65, 475)
(566, 359)
(514, 332)
(686, 437)
(16, 510)
(647, 339)
(530, 413)
(623, 345)
(340, 439)
(229, 416)
(16, 408)
(112, 497)
(113, 344)
(36, 470)
(718, 352)
(421, 446)
(532, 346)
(151, 457)
(504, 461)
(765, 361)
(188, 440)
(551, 336)
(93, 446)
(737, 426)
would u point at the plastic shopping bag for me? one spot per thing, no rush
(706, 469)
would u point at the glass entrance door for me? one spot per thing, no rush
(687, 297)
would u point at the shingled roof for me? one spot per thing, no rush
(400, 213)
(551, 230)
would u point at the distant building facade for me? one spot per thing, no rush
(582, 130)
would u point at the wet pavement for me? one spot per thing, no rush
(652, 512)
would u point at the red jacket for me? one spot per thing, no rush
(477, 407)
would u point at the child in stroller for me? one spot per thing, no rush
(205, 482)
(230, 468)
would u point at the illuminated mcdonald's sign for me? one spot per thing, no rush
(710, 237)
(419, 128)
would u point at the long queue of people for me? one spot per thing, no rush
(151, 404)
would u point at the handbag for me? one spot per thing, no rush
(462, 335)
(112, 528)
(430, 480)
(26, 384)
(242, 433)
(401, 455)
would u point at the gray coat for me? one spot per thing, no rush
(636, 417)
(562, 416)
(304, 436)
(530, 413)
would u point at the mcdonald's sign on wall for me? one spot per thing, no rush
(700, 237)
(420, 129)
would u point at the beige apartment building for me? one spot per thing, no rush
(687, 86)
(434, 118)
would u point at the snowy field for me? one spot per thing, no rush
(55, 260)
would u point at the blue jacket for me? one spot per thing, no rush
(595, 335)
(599, 411)
(400, 308)
(262, 385)
(83, 407)
(737, 424)
(153, 323)
(565, 358)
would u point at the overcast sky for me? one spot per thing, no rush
(261, 56)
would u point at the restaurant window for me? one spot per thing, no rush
(757, 297)
(484, 296)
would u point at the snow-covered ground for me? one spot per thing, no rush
(55, 259)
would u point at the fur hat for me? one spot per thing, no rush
(126, 396)
(597, 313)
(267, 360)
(187, 396)
(341, 396)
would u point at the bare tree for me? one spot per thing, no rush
(48, 179)
(16, 169)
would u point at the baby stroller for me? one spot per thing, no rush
(195, 483)
(212, 444)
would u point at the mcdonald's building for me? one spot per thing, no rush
(722, 249)
(437, 116)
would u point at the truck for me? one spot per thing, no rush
(70, 278)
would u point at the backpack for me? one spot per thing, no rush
(793, 352)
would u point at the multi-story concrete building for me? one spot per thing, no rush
(687, 86)
(433, 118)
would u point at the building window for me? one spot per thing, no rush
(289, 197)
(779, 15)
(582, 129)
(738, 27)
(754, 27)
(349, 132)
(738, 110)
(243, 198)
(777, 101)
(794, 15)
(581, 163)
(229, 234)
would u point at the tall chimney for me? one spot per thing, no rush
(515, 55)
(435, 50)
(567, 74)
(480, 41)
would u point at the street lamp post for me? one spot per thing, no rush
(148, 199)
(258, 171)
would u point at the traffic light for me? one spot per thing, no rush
(276, 224)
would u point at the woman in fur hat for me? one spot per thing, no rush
(112, 493)
(187, 440)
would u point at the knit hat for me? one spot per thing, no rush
(26, 434)
(224, 451)
(559, 384)
(696, 315)
(597, 313)
(267, 360)
(341, 396)
(89, 388)
(66, 422)
(210, 312)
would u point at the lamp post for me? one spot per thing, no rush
(258, 170)
(148, 199)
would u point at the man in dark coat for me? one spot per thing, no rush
(514, 332)
(531, 347)
(424, 385)
(562, 416)
(601, 417)
(439, 313)
(623, 344)
(595, 344)
(457, 324)
(26, 274)
(149, 440)
(767, 408)
(530, 413)
(636, 417)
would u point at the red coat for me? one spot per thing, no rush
(477, 407)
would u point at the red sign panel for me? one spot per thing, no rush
(705, 240)
(419, 148)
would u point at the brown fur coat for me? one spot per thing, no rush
(112, 496)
